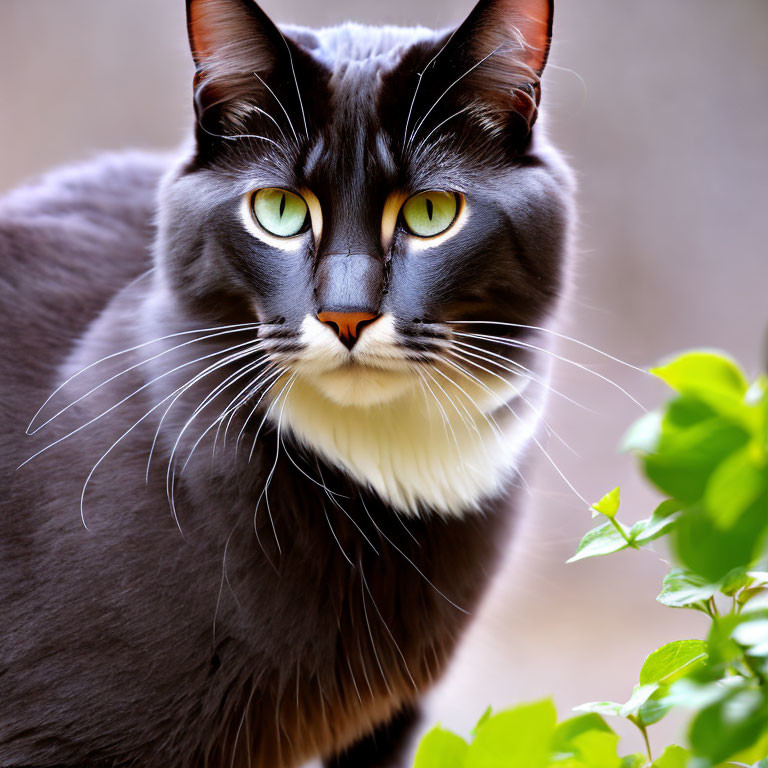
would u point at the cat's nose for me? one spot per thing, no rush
(347, 325)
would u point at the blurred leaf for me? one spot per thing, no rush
(603, 540)
(733, 724)
(655, 708)
(685, 458)
(673, 757)
(737, 579)
(483, 718)
(605, 708)
(682, 589)
(733, 486)
(598, 749)
(634, 761)
(707, 549)
(659, 523)
(673, 661)
(752, 633)
(609, 504)
(707, 375)
(516, 738)
(562, 740)
(640, 694)
(441, 749)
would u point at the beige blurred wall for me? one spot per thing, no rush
(662, 106)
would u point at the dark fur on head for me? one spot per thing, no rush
(331, 524)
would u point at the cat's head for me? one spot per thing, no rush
(363, 192)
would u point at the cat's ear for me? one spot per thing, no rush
(504, 45)
(236, 47)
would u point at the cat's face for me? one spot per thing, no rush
(362, 191)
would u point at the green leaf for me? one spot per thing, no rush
(729, 726)
(655, 708)
(708, 375)
(605, 708)
(658, 524)
(709, 550)
(603, 540)
(673, 757)
(734, 581)
(634, 761)
(597, 749)
(753, 635)
(683, 589)
(568, 730)
(640, 694)
(483, 718)
(673, 661)
(516, 738)
(685, 458)
(441, 749)
(609, 504)
(734, 485)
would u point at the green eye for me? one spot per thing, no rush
(280, 212)
(430, 213)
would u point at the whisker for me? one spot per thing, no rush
(522, 396)
(386, 627)
(457, 80)
(280, 104)
(526, 345)
(207, 371)
(553, 333)
(126, 398)
(370, 634)
(526, 372)
(406, 140)
(421, 144)
(533, 437)
(336, 538)
(416, 567)
(231, 329)
(249, 350)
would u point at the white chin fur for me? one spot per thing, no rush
(399, 434)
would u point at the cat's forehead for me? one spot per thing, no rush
(376, 47)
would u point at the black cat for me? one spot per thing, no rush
(295, 374)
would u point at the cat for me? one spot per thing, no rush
(296, 371)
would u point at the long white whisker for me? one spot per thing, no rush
(235, 329)
(523, 371)
(438, 127)
(536, 410)
(416, 567)
(553, 333)
(527, 345)
(406, 140)
(126, 398)
(296, 83)
(370, 634)
(457, 80)
(386, 627)
(246, 349)
(243, 395)
(280, 104)
(533, 438)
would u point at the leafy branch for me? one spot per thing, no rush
(706, 450)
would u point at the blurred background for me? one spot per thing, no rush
(662, 108)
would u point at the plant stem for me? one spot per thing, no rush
(621, 531)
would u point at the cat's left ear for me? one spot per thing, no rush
(236, 48)
(504, 45)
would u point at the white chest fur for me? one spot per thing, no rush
(422, 450)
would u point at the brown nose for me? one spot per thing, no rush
(347, 325)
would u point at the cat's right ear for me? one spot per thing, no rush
(236, 47)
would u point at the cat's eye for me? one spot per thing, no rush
(280, 212)
(427, 214)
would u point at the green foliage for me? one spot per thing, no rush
(706, 450)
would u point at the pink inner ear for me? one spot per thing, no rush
(216, 24)
(532, 18)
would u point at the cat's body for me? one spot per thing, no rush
(288, 591)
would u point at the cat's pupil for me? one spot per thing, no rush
(282, 205)
(430, 208)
